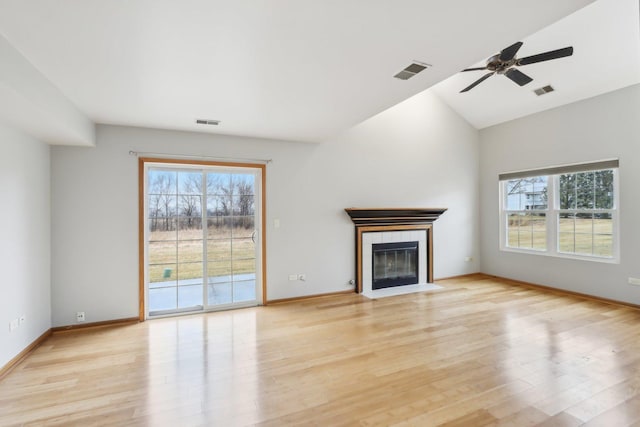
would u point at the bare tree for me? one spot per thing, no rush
(190, 199)
(244, 191)
(162, 199)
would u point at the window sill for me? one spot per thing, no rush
(561, 255)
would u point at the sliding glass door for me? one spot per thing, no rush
(202, 232)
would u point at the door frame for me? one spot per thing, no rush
(142, 226)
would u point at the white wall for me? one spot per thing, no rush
(417, 154)
(25, 287)
(26, 93)
(603, 127)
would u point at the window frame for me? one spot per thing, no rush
(553, 211)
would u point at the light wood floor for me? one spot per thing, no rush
(478, 352)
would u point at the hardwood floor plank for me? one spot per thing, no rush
(479, 352)
(624, 414)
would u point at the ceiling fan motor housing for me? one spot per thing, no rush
(496, 64)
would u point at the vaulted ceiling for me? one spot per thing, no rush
(606, 40)
(298, 70)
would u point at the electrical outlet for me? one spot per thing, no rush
(634, 281)
(80, 316)
(293, 277)
(13, 325)
(468, 259)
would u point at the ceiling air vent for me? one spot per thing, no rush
(208, 122)
(544, 90)
(411, 70)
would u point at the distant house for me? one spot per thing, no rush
(535, 200)
(526, 196)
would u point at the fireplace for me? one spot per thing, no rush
(394, 247)
(394, 264)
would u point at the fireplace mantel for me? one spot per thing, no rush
(375, 220)
(382, 216)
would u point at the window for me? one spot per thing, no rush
(566, 211)
(526, 209)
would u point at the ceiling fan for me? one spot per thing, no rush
(505, 61)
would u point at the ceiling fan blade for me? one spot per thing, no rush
(518, 77)
(477, 82)
(475, 69)
(508, 53)
(546, 56)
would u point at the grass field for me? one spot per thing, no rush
(577, 235)
(178, 255)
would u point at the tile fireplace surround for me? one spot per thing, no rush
(374, 225)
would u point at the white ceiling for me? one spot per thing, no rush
(605, 36)
(300, 70)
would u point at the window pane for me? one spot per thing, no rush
(189, 228)
(190, 251)
(539, 231)
(244, 290)
(162, 228)
(190, 272)
(163, 252)
(584, 223)
(190, 294)
(585, 196)
(526, 193)
(163, 205)
(244, 269)
(527, 230)
(584, 243)
(603, 245)
(567, 222)
(189, 183)
(243, 211)
(219, 293)
(217, 228)
(513, 229)
(162, 182)
(604, 189)
(243, 248)
(219, 271)
(219, 184)
(566, 242)
(163, 273)
(190, 208)
(162, 298)
(567, 191)
(162, 202)
(537, 198)
(539, 241)
(244, 184)
(218, 249)
(602, 223)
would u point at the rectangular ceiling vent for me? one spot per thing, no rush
(544, 90)
(208, 122)
(411, 70)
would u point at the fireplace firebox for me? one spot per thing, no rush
(394, 264)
